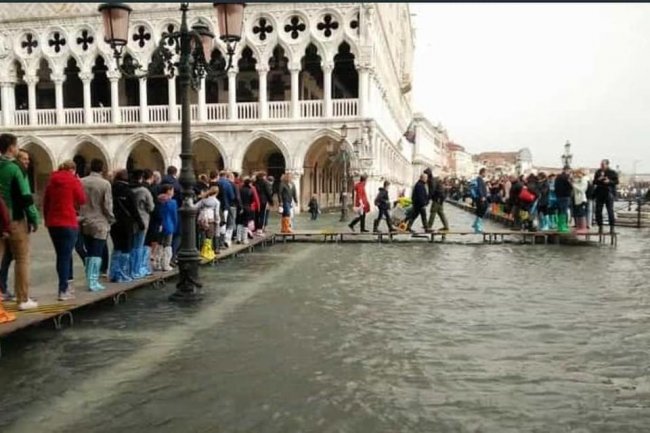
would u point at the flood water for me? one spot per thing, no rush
(357, 338)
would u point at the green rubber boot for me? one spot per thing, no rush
(563, 223)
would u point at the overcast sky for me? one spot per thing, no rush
(502, 77)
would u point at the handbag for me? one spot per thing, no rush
(526, 196)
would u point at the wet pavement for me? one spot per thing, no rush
(357, 338)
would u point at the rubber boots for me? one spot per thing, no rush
(563, 223)
(553, 222)
(93, 265)
(145, 262)
(207, 252)
(581, 225)
(119, 264)
(478, 228)
(5, 316)
(375, 226)
(135, 263)
(285, 225)
(475, 224)
(167, 255)
(156, 258)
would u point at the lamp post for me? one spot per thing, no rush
(342, 155)
(193, 47)
(567, 157)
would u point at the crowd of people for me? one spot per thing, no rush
(541, 202)
(139, 210)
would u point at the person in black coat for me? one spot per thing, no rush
(605, 181)
(265, 192)
(420, 199)
(127, 221)
(437, 197)
(382, 201)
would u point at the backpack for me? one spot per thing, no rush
(473, 189)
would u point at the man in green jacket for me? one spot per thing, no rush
(15, 190)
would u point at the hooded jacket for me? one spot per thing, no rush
(124, 206)
(168, 215)
(97, 214)
(143, 202)
(64, 195)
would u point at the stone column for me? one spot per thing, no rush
(295, 92)
(7, 106)
(232, 94)
(263, 97)
(58, 80)
(86, 78)
(144, 110)
(363, 90)
(171, 98)
(114, 77)
(203, 110)
(31, 81)
(327, 89)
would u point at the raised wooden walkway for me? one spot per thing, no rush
(61, 313)
(486, 237)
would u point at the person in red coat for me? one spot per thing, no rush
(64, 195)
(361, 204)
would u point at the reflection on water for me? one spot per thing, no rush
(357, 338)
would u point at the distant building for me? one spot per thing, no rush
(506, 163)
(461, 161)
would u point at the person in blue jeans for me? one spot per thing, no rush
(563, 192)
(64, 195)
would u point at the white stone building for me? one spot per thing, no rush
(430, 147)
(301, 71)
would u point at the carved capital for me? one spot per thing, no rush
(328, 67)
(85, 76)
(30, 80)
(113, 75)
(262, 69)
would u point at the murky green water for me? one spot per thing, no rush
(357, 338)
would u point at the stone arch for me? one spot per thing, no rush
(323, 169)
(240, 153)
(265, 151)
(42, 163)
(330, 133)
(85, 149)
(345, 78)
(209, 153)
(134, 143)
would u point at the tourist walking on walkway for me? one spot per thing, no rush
(382, 202)
(168, 227)
(127, 221)
(287, 196)
(64, 195)
(265, 192)
(5, 222)
(605, 181)
(419, 200)
(96, 219)
(580, 185)
(437, 196)
(145, 205)
(563, 192)
(24, 216)
(361, 204)
(481, 201)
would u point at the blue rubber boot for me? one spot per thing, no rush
(125, 265)
(135, 263)
(479, 225)
(92, 272)
(119, 264)
(145, 262)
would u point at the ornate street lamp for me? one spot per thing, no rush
(193, 47)
(567, 157)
